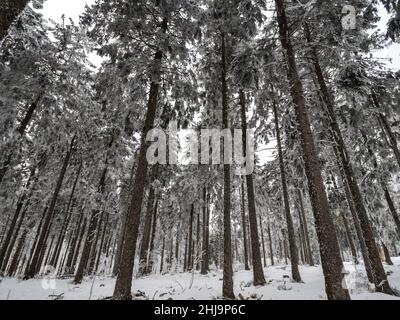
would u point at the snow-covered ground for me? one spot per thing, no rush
(182, 286)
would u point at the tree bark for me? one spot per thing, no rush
(381, 282)
(258, 273)
(349, 238)
(387, 254)
(305, 229)
(227, 283)
(190, 240)
(204, 235)
(48, 217)
(294, 257)
(244, 228)
(271, 251)
(263, 243)
(332, 264)
(122, 290)
(150, 260)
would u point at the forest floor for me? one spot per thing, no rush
(183, 286)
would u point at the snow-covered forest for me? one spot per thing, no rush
(85, 211)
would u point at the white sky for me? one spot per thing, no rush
(73, 8)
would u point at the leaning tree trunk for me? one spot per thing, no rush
(258, 273)
(294, 257)
(150, 260)
(9, 12)
(349, 238)
(17, 254)
(66, 222)
(387, 254)
(48, 216)
(122, 290)
(381, 282)
(332, 264)
(227, 283)
(88, 245)
(21, 130)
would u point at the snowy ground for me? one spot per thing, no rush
(195, 286)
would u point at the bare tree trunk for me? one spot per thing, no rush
(74, 243)
(227, 283)
(204, 234)
(190, 240)
(305, 226)
(198, 256)
(144, 248)
(381, 283)
(150, 261)
(244, 228)
(88, 245)
(48, 217)
(271, 251)
(294, 258)
(263, 242)
(258, 273)
(17, 254)
(103, 234)
(349, 238)
(162, 255)
(332, 264)
(122, 290)
(387, 254)
(66, 221)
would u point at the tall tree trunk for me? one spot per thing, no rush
(17, 254)
(162, 255)
(122, 290)
(144, 248)
(381, 283)
(190, 240)
(305, 229)
(48, 217)
(204, 234)
(263, 242)
(294, 257)
(101, 247)
(271, 250)
(227, 283)
(150, 260)
(349, 238)
(244, 227)
(9, 12)
(185, 256)
(332, 264)
(387, 254)
(360, 236)
(12, 233)
(66, 222)
(89, 241)
(258, 273)
(88, 244)
(74, 243)
(198, 249)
